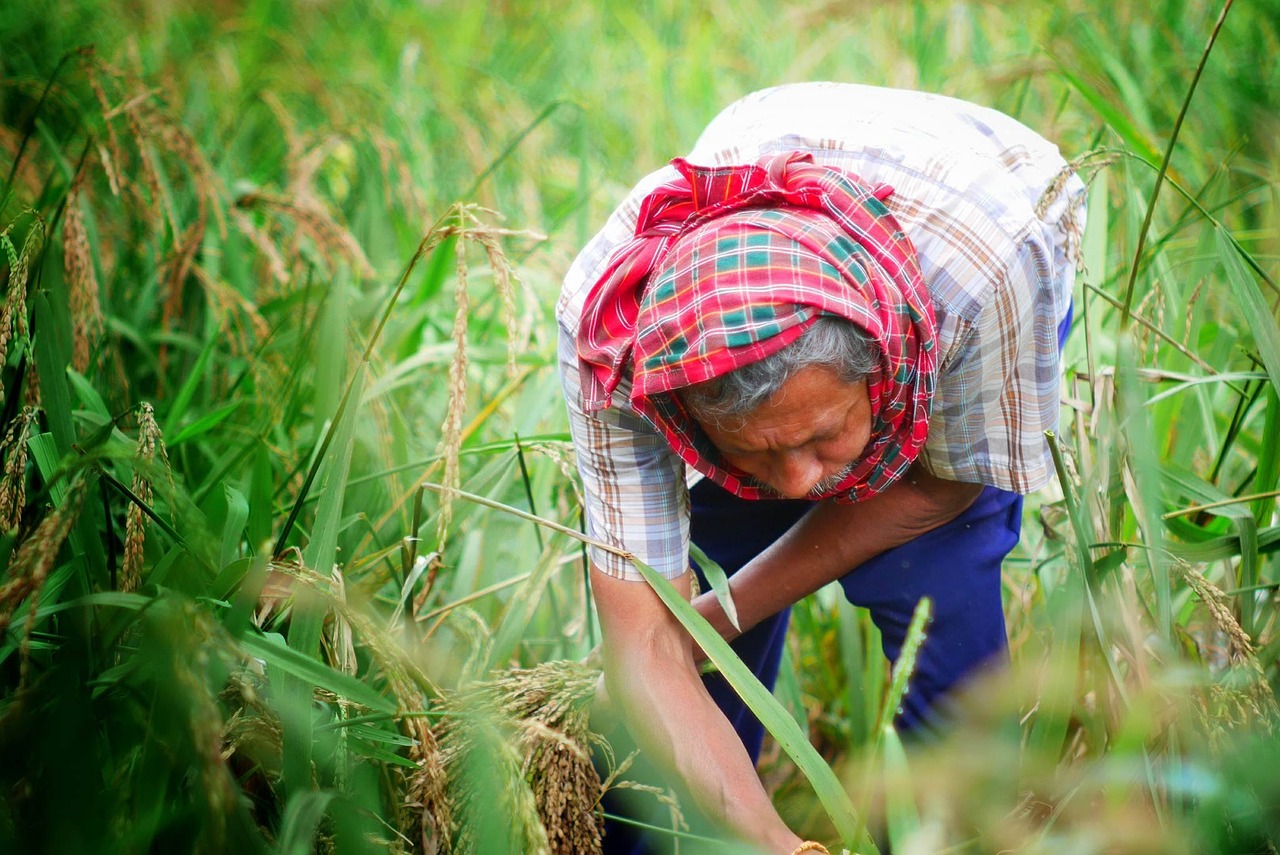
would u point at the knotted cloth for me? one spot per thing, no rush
(731, 264)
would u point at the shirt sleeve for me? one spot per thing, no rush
(991, 409)
(999, 385)
(633, 483)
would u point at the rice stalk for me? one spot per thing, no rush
(13, 483)
(1154, 298)
(204, 639)
(408, 683)
(451, 430)
(311, 220)
(300, 202)
(394, 167)
(155, 203)
(172, 278)
(265, 245)
(210, 192)
(253, 720)
(503, 276)
(562, 454)
(159, 143)
(342, 653)
(239, 318)
(469, 227)
(31, 563)
(1191, 305)
(112, 156)
(666, 798)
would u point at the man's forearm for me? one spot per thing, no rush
(683, 731)
(833, 539)
(651, 675)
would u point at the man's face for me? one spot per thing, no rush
(802, 439)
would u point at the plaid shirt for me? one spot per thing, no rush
(999, 263)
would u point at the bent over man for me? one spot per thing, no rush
(839, 319)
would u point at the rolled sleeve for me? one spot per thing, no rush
(633, 483)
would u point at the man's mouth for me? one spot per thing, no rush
(831, 482)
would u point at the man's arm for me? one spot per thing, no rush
(651, 676)
(833, 539)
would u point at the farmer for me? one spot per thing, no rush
(824, 346)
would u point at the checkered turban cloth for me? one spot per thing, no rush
(729, 265)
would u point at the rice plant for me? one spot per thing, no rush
(290, 527)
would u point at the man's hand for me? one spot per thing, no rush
(833, 539)
(650, 675)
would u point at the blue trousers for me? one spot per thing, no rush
(956, 565)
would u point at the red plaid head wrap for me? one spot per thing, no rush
(731, 264)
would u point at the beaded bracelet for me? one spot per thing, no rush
(811, 846)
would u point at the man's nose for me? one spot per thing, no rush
(795, 473)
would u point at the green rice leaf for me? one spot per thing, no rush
(899, 682)
(204, 424)
(183, 399)
(271, 648)
(302, 820)
(719, 583)
(233, 524)
(901, 814)
(1241, 518)
(375, 752)
(309, 609)
(1252, 306)
(87, 394)
(1112, 115)
(1268, 474)
(906, 664)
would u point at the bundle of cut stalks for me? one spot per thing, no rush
(516, 749)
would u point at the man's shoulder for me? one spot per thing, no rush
(934, 150)
(852, 115)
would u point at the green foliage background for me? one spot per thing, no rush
(264, 196)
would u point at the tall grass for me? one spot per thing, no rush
(285, 467)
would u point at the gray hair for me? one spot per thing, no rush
(832, 342)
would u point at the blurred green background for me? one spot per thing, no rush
(245, 216)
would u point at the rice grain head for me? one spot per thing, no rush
(1247, 701)
(184, 650)
(31, 386)
(13, 484)
(451, 433)
(112, 156)
(82, 279)
(149, 443)
(503, 278)
(13, 316)
(541, 716)
(468, 228)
